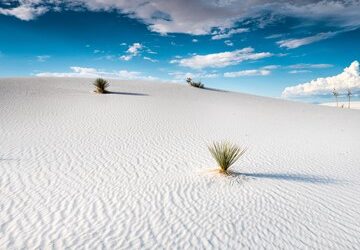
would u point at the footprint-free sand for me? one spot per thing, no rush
(130, 169)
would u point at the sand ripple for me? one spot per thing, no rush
(83, 171)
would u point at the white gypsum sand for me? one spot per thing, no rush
(343, 104)
(128, 170)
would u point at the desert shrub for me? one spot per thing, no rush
(188, 80)
(226, 154)
(197, 85)
(101, 86)
(194, 84)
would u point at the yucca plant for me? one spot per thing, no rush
(101, 85)
(194, 84)
(189, 80)
(197, 85)
(226, 154)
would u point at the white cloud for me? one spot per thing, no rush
(337, 13)
(76, 72)
(219, 60)
(305, 67)
(227, 33)
(309, 66)
(298, 42)
(126, 57)
(43, 58)
(348, 79)
(299, 71)
(250, 72)
(149, 51)
(266, 70)
(271, 67)
(150, 59)
(229, 43)
(95, 73)
(172, 16)
(132, 51)
(25, 11)
(274, 36)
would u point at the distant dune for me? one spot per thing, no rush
(353, 105)
(128, 170)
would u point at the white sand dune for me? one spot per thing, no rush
(127, 170)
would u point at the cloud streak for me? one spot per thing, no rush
(95, 73)
(299, 71)
(298, 42)
(250, 72)
(310, 66)
(220, 60)
(223, 34)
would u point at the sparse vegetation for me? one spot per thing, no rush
(349, 94)
(101, 86)
(226, 154)
(336, 94)
(189, 80)
(194, 84)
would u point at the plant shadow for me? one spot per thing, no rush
(216, 90)
(289, 177)
(125, 93)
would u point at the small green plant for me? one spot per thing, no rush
(101, 86)
(194, 84)
(225, 154)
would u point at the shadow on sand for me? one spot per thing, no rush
(216, 90)
(289, 177)
(126, 93)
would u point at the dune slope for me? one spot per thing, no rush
(129, 170)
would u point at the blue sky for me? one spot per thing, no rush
(259, 47)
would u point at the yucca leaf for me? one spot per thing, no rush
(226, 154)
